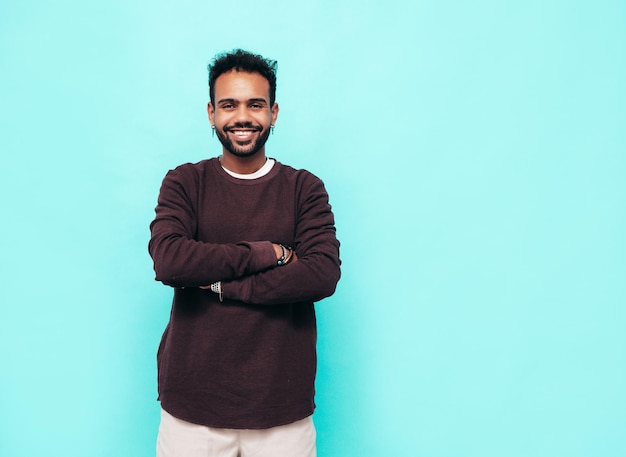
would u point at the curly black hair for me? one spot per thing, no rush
(245, 61)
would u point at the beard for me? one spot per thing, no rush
(247, 150)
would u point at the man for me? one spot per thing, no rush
(248, 244)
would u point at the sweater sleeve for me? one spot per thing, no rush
(179, 259)
(316, 272)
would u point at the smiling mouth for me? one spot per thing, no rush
(242, 132)
(243, 128)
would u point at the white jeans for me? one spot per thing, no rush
(178, 438)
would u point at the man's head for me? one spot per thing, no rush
(242, 61)
(242, 109)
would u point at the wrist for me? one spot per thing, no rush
(286, 255)
(216, 287)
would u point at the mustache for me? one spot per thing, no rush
(243, 125)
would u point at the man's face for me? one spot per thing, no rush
(242, 115)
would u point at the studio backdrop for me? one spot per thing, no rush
(474, 153)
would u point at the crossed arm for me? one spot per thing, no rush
(248, 270)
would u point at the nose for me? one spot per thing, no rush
(242, 115)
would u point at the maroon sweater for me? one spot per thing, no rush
(249, 361)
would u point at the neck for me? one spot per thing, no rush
(243, 165)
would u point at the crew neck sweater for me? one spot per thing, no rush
(265, 169)
(249, 361)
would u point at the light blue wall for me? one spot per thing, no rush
(475, 153)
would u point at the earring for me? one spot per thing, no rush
(272, 129)
(213, 131)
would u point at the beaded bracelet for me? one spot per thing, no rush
(286, 256)
(216, 287)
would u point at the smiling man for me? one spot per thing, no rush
(248, 244)
(243, 123)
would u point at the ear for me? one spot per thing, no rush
(211, 112)
(274, 113)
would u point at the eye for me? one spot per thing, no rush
(256, 106)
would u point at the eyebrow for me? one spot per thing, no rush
(252, 100)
